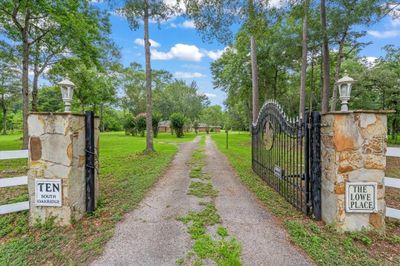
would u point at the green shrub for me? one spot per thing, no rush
(129, 125)
(156, 119)
(140, 122)
(177, 123)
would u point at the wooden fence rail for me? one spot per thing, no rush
(392, 182)
(14, 181)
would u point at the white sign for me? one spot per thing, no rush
(278, 171)
(361, 197)
(48, 192)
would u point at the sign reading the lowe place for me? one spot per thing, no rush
(48, 192)
(361, 197)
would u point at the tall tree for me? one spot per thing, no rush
(9, 81)
(253, 54)
(144, 10)
(214, 19)
(303, 75)
(344, 16)
(325, 59)
(18, 21)
(178, 97)
(33, 23)
(94, 86)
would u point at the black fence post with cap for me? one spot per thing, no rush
(90, 161)
(316, 164)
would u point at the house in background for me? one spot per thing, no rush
(203, 127)
(164, 126)
(215, 129)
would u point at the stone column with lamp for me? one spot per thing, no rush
(56, 175)
(353, 147)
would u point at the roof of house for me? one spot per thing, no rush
(164, 123)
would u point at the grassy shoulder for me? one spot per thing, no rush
(126, 174)
(319, 241)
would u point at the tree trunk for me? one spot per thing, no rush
(254, 76)
(337, 71)
(35, 77)
(253, 54)
(25, 87)
(101, 117)
(249, 106)
(35, 90)
(4, 121)
(4, 109)
(325, 60)
(303, 77)
(312, 74)
(149, 118)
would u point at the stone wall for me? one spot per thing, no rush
(353, 148)
(57, 151)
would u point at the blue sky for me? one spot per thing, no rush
(179, 49)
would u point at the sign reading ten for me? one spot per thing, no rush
(361, 197)
(48, 192)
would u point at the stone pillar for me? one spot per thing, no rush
(57, 153)
(353, 148)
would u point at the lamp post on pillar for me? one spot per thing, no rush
(67, 91)
(345, 85)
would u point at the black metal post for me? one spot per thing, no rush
(307, 154)
(316, 164)
(90, 161)
(226, 139)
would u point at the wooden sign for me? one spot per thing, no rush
(361, 197)
(48, 192)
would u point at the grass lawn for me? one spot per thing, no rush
(319, 241)
(394, 141)
(126, 174)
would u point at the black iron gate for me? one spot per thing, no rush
(286, 154)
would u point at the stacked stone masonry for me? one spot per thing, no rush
(353, 148)
(57, 151)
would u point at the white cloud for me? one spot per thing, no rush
(153, 43)
(179, 51)
(187, 24)
(394, 14)
(210, 95)
(189, 75)
(214, 55)
(277, 3)
(172, 3)
(384, 34)
(369, 61)
(395, 22)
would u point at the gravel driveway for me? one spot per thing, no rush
(151, 235)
